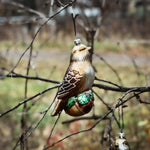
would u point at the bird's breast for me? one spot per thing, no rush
(83, 67)
(89, 77)
(86, 70)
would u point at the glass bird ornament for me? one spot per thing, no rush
(78, 78)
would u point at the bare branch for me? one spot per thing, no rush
(139, 99)
(108, 107)
(101, 58)
(93, 117)
(118, 88)
(16, 75)
(53, 127)
(22, 134)
(107, 81)
(122, 88)
(28, 99)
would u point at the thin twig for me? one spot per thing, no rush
(28, 99)
(107, 82)
(101, 58)
(16, 75)
(138, 98)
(18, 141)
(93, 117)
(122, 88)
(24, 143)
(53, 127)
(109, 131)
(108, 107)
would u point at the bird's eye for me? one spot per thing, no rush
(82, 49)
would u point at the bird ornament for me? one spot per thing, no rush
(121, 143)
(75, 94)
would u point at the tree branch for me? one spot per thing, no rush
(94, 117)
(122, 88)
(28, 99)
(16, 75)
(117, 88)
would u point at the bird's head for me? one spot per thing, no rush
(81, 52)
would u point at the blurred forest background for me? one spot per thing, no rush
(121, 32)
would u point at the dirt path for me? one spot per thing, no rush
(112, 58)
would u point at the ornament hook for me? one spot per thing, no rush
(77, 42)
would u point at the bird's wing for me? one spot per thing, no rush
(70, 86)
(71, 82)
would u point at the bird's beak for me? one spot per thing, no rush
(88, 48)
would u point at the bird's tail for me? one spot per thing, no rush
(59, 106)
